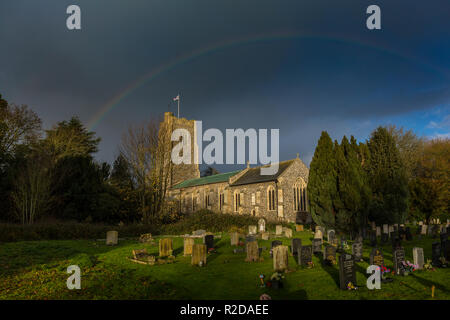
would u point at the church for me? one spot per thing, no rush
(278, 197)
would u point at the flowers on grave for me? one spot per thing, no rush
(310, 265)
(384, 271)
(211, 250)
(265, 296)
(277, 276)
(351, 286)
(409, 267)
(428, 265)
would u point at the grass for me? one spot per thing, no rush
(37, 270)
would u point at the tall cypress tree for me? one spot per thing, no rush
(387, 179)
(342, 202)
(321, 188)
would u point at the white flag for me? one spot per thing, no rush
(177, 98)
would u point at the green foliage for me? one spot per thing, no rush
(322, 189)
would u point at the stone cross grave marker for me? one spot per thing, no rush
(234, 238)
(295, 245)
(262, 225)
(198, 254)
(418, 257)
(280, 258)
(329, 255)
(112, 238)
(357, 250)
(188, 244)
(252, 251)
(317, 246)
(347, 271)
(305, 256)
(278, 230)
(399, 258)
(165, 247)
(252, 229)
(208, 239)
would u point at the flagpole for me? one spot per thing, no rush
(178, 106)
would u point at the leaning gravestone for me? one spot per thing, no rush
(188, 244)
(209, 241)
(252, 229)
(278, 230)
(234, 238)
(305, 255)
(316, 246)
(112, 238)
(329, 255)
(262, 225)
(357, 250)
(252, 251)
(288, 232)
(418, 257)
(198, 254)
(399, 258)
(280, 258)
(295, 245)
(165, 247)
(347, 271)
(376, 257)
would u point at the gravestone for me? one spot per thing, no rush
(329, 255)
(278, 230)
(265, 236)
(252, 251)
(378, 232)
(357, 250)
(252, 229)
(391, 229)
(198, 254)
(295, 245)
(288, 232)
(188, 244)
(305, 256)
(418, 257)
(396, 243)
(420, 223)
(165, 247)
(209, 241)
(399, 258)
(262, 225)
(234, 237)
(386, 228)
(436, 254)
(347, 271)
(299, 227)
(274, 244)
(280, 258)
(376, 257)
(373, 225)
(146, 238)
(318, 234)
(331, 236)
(112, 238)
(316, 246)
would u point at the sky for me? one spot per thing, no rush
(298, 66)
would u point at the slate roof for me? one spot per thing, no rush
(216, 178)
(253, 175)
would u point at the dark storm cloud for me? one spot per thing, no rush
(333, 75)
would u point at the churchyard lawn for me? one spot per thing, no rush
(37, 270)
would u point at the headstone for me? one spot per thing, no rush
(288, 232)
(373, 225)
(418, 257)
(436, 254)
(198, 254)
(165, 247)
(305, 256)
(280, 258)
(234, 238)
(391, 229)
(299, 227)
(378, 232)
(112, 238)
(252, 251)
(146, 238)
(329, 255)
(357, 250)
(331, 236)
(262, 225)
(198, 232)
(295, 245)
(399, 258)
(386, 228)
(347, 271)
(396, 243)
(252, 229)
(265, 236)
(420, 223)
(250, 238)
(188, 244)
(376, 257)
(317, 246)
(209, 241)
(274, 244)
(278, 230)
(318, 234)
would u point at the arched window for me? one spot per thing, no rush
(271, 198)
(237, 201)
(300, 196)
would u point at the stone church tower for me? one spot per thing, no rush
(182, 172)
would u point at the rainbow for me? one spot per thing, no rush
(101, 113)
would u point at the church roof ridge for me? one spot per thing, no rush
(215, 178)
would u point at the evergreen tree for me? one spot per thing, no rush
(322, 182)
(388, 179)
(342, 201)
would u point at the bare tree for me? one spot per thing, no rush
(146, 149)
